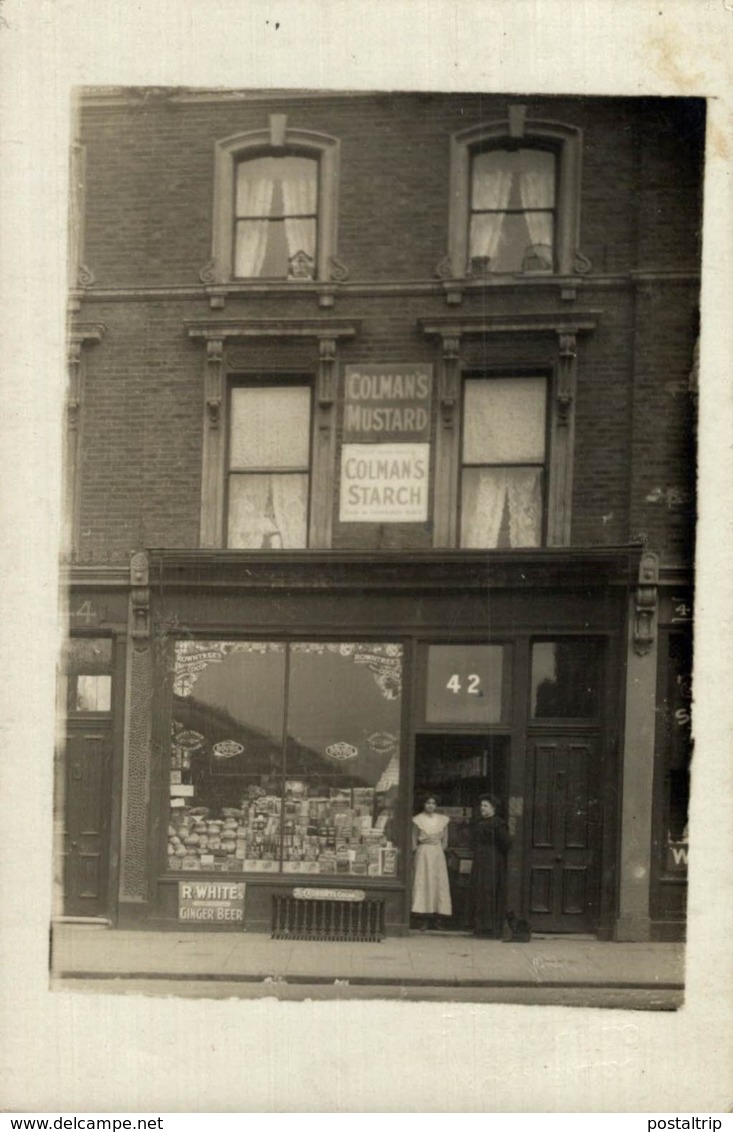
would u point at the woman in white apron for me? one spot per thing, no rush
(430, 886)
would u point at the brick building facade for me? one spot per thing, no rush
(382, 404)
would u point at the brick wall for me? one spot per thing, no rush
(149, 187)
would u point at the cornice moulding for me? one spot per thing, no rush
(185, 291)
(570, 322)
(221, 329)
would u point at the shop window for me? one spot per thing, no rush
(88, 664)
(464, 684)
(275, 198)
(276, 216)
(566, 679)
(511, 224)
(268, 473)
(515, 198)
(285, 757)
(503, 462)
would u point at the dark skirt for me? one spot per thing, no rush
(488, 892)
(488, 877)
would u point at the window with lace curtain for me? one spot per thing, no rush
(268, 474)
(512, 211)
(275, 206)
(503, 455)
(515, 188)
(276, 217)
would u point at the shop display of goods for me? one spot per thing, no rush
(338, 831)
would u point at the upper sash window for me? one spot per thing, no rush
(275, 204)
(512, 225)
(276, 217)
(515, 199)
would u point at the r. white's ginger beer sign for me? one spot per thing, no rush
(385, 458)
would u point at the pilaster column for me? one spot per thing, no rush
(134, 829)
(79, 335)
(634, 922)
(324, 446)
(445, 506)
(560, 498)
(212, 485)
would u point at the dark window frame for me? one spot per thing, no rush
(270, 380)
(236, 218)
(508, 373)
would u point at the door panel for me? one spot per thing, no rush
(87, 815)
(564, 845)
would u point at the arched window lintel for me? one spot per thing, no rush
(565, 140)
(239, 147)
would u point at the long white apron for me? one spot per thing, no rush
(430, 886)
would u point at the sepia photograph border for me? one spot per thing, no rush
(68, 1052)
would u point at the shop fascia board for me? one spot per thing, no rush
(437, 571)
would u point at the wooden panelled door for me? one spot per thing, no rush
(87, 817)
(564, 815)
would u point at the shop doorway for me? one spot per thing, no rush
(565, 832)
(87, 818)
(457, 769)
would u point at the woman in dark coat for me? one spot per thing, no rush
(491, 841)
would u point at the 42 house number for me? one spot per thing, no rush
(472, 687)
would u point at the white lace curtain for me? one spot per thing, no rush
(487, 493)
(268, 512)
(492, 191)
(299, 196)
(254, 198)
(256, 184)
(536, 189)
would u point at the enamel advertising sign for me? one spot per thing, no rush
(384, 483)
(385, 458)
(387, 404)
(216, 903)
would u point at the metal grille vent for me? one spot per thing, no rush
(330, 920)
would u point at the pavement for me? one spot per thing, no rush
(431, 965)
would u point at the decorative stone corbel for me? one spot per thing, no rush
(214, 358)
(449, 385)
(78, 336)
(645, 613)
(453, 287)
(140, 600)
(581, 264)
(326, 372)
(444, 269)
(74, 363)
(215, 289)
(566, 378)
(339, 271)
